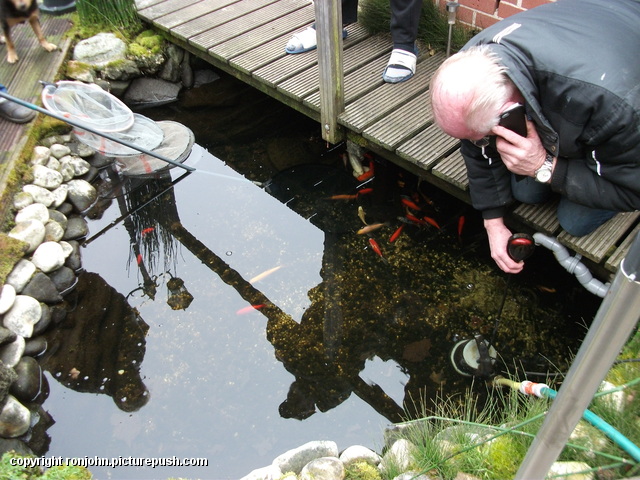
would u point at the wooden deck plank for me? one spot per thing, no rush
(288, 66)
(603, 239)
(540, 217)
(366, 76)
(160, 9)
(306, 83)
(189, 12)
(453, 170)
(273, 50)
(427, 147)
(401, 123)
(198, 27)
(245, 22)
(374, 106)
(613, 262)
(284, 24)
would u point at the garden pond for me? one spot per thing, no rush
(235, 312)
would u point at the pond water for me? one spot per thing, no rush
(234, 313)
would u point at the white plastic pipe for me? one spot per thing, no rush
(572, 264)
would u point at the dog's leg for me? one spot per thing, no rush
(12, 56)
(34, 21)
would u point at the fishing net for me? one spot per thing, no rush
(89, 104)
(144, 133)
(177, 143)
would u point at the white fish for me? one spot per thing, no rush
(265, 274)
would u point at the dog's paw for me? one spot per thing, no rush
(49, 47)
(2, 40)
(12, 57)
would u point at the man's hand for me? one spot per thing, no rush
(521, 155)
(498, 240)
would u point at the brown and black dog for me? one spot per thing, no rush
(13, 12)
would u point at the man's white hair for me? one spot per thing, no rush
(470, 87)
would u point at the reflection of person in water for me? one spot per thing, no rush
(100, 345)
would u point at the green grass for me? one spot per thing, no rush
(112, 15)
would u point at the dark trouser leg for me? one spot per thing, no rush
(349, 11)
(405, 18)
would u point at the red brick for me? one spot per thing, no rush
(486, 6)
(465, 15)
(528, 4)
(484, 21)
(507, 9)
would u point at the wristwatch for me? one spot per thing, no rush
(543, 174)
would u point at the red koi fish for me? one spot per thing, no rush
(250, 308)
(431, 222)
(414, 219)
(375, 247)
(410, 204)
(460, 225)
(394, 236)
(364, 191)
(146, 231)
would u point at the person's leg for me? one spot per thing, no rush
(579, 220)
(306, 40)
(405, 19)
(14, 112)
(527, 190)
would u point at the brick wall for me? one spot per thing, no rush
(483, 13)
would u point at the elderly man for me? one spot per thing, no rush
(574, 65)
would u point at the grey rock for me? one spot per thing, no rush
(29, 383)
(151, 91)
(35, 347)
(6, 336)
(76, 228)
(295, 459)
(63, 278)
(53, 232)
(42, 288)
(100, 50)
(15, 418)
(326, 468)
(81, 194)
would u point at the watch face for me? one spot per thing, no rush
(543, 175)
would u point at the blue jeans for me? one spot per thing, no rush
(576, 219)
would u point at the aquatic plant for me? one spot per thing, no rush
(116, 15)
(375, 16)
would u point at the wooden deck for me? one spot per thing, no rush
(22, 81)
(246, 38)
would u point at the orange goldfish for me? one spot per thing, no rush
(396, 234)
(431, 221)
(146, 231)
(249, 308)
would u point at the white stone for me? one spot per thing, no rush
(11, 353)
(359, 453)
(59, 195)
(81, 194)
(265, 473)
(21, 200)
(326, 468)
(58, 150)
(24, 314)
(53, 164)
(399, 455)
(79, 165)
(40, 155)
(21, 274)
(30, 231)
(35, 211)
(39, 194)
(7, 297)
(295, 459)
(46, 177)
(566, 469)
(67, 249)
(53, 232)
(48, 257)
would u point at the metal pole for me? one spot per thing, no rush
(102, 134)
(616, 318)
(452, 7)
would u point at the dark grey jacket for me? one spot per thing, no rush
(577, 64)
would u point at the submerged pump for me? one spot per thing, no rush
(476, 357)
